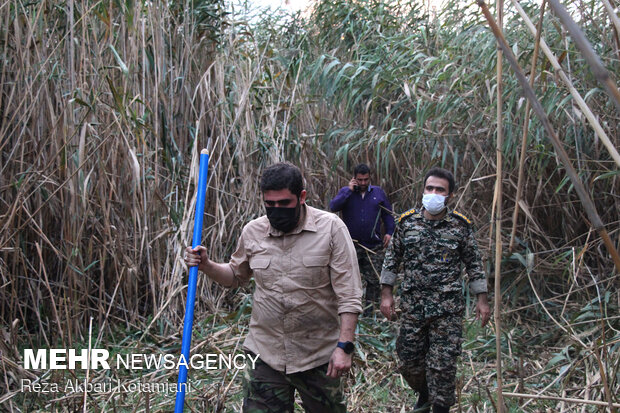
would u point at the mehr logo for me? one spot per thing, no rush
(62, 359)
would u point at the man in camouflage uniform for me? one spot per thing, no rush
(432, 245)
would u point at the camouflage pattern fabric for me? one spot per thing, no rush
(428, 353)
(370, 263)
(432, 255)
(268, 390)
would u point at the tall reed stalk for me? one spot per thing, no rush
(104, 104)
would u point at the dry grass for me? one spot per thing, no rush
(104, 110)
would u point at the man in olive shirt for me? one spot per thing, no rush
(306, 302)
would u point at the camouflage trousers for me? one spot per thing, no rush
(268, 390)
(370, 263)
(428, 351)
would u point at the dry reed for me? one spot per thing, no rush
(104, 105)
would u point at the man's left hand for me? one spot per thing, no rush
(339, 363)
(386, 240)
(483, 311)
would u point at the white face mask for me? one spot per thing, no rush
(434, 203)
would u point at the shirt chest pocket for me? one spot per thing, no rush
(315, 271)
(261, 271)
(448, 249)
(413, 241)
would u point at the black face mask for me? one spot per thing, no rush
(283, 219)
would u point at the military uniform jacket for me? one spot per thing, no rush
(432, 255)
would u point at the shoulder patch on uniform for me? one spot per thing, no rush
(406, 214)
(461, 217)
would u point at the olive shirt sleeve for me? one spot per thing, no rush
(393, 258)
(344, 271)
(470, 255)
(240, 261)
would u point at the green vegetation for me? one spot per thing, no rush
(105, 105)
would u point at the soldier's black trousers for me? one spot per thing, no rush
(268, 390)
(428, 351)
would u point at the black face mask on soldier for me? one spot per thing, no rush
(283, 219)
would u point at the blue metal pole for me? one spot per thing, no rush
(191, 288)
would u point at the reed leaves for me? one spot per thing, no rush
(104, 111)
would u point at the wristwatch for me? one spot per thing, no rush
(346, 346)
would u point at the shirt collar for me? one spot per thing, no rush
(306, 222)
(367, 190)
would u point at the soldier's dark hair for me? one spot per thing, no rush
(282, 175)
(361, 169)
(443, 174)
